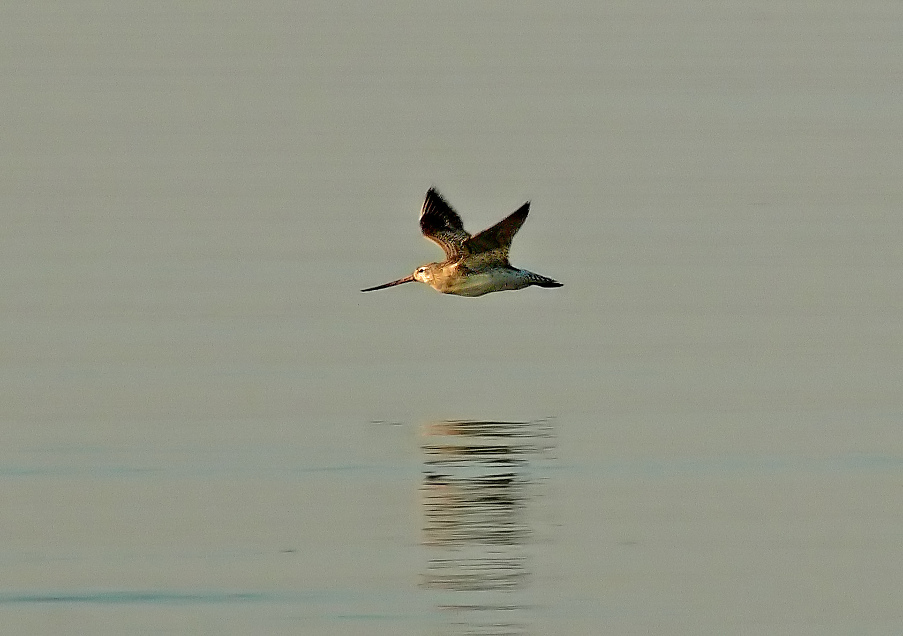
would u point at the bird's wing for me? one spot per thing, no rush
(442, 225)
(492, 244)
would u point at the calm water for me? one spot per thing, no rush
(207, 429)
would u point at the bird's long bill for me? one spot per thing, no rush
(406, 279)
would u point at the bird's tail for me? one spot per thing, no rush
(543, 281)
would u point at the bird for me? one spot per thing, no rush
(474, 265)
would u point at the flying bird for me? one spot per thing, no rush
(473, 265)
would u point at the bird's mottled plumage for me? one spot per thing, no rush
(474, 265)
(442, 225)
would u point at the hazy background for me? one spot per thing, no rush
(206, 428)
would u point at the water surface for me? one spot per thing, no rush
(208, 429)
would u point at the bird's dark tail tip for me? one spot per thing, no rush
(542, 281)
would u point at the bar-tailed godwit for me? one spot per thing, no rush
(474, 265)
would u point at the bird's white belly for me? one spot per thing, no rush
(477, 284)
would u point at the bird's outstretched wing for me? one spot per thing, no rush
(492, 244)
(442, 225)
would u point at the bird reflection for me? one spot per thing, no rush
(479, 491)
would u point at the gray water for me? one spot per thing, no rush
(207, 429)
